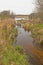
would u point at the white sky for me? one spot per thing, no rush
(17, 6)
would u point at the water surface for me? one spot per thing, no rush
(24, 39)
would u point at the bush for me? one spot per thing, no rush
(28, 26)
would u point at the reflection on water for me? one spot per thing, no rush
(24, 39)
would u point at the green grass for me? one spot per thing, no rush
(37, 33)
(13, 55)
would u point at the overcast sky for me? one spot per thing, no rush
(17, 6)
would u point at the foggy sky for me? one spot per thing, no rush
(17, 6)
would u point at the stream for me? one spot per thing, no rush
(25, 40)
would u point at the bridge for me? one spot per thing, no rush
(21, 17)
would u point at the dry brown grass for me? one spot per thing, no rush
(8, 24)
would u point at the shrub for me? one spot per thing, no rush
(28, 26)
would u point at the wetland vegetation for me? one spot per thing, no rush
(21, 37)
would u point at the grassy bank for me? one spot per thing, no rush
(36, 30)
(37, 33)
(10, 55)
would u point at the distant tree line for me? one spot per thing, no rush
(7, 14)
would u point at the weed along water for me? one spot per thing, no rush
(24, 39)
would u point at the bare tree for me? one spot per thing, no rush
(39, 8)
